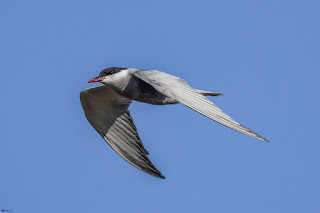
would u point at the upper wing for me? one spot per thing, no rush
(180, 90)
(108, 113)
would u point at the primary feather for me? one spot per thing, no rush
(108, 113)
(181, 91)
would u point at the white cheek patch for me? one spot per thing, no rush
(120, 76)
(119, 80)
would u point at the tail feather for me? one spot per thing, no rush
(207, 93)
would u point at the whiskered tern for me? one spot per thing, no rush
(106, 108)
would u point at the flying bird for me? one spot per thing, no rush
(106, 108)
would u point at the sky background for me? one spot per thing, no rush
(264, 55)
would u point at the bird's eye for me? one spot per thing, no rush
(107, 73)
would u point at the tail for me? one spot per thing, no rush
(207, 93)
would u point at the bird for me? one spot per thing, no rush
(106, 107)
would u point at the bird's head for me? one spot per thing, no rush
(106, 75)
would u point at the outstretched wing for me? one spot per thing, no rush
(181, 91)
(108, 113)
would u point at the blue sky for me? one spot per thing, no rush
(264, 55)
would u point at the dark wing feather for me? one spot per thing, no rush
(181, 91)
(108, 113)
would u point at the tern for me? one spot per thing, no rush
(106, 108)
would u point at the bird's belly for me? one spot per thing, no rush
(139, 90)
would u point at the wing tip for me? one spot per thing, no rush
(262, 138)
(155, 174)
(161, 176)
(252, 133)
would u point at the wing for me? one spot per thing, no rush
(180, 90)
(108, 113)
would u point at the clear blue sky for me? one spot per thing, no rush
(264, 55)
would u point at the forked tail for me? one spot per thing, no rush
(207, 93)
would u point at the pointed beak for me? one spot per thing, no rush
(96, 79)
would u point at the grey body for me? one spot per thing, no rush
(106, 108)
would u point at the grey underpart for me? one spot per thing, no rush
(142, 91)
